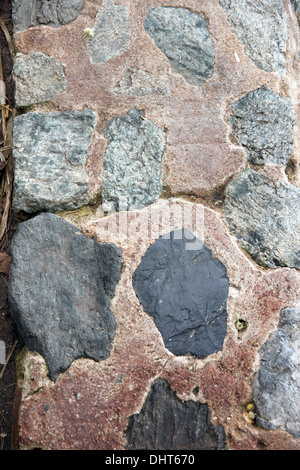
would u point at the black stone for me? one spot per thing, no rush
(61, 284)
(185, 290)
(165, 422)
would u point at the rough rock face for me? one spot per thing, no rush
(54, 13)
(61, 284)
(183, 37)
(132, 173)
(165, 422)
(276, 384)
(185, 291)
(263, 123)
(140, 83)
(262, 28)
(265, 218)
(50, 151)
(37, 78)
(111, 32)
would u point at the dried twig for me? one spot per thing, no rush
(10, 353)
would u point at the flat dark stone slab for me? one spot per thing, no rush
(185, 291)
(61, 285)
(165, 422)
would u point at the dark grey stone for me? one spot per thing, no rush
(296, 5)
(50, 152)
(61, 285)
(183, 37)
(132, 175)
(111, 33)
(37, 78)
(262, 28)
(167, 423)
(185, 290)
(276, 384)
(265, 218)
(54, 13)
(263, 122)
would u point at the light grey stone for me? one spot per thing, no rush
(61, 285)
(37, 78)
(111, 32)
(262, 28)
(54, 13)
(263, 122)
(50, 152)
(183, 37)
(132, 175)
(276, 384)
(265, 218)
(140, 83)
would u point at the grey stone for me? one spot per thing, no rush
(50, 152)
(54, 13)
(263, 122)
(183, 37)
(296, 5)
(167, 423)
(265, 218)
(111, 33)
(140, 83)
(185, 290)
(132, 175)
(263, 30)
(276, 384)
(61, 285)
(37, 78)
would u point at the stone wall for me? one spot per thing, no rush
(156, 283)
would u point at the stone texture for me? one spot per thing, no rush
(183, 37)
(264, 217)
(132, 175)
(37, 78)
(296, 6)
(50, 152)
(185, 291)
(61, 284)
(111, 32)
(140, 83)
(165, 422)
(54, 13)
(262, 28)
(276, 384)
(263, 123)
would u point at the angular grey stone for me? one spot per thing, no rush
(167, 423)
(265, 218)
(262, 27)
(276, 384)
(183, 37)
(37, 78)
(263, 122)
(54, 13)
(61, 284)
(132, 175)
(140, 83)
(50, 152)
(111, 32)
(185, 290)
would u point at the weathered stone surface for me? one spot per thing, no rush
(184, 38)
(54, 13)
(50, 152)
(296, 5)
(185, 291)
(37, 78)
(61, 284)
(265, 218)
(263, 122)
(132, 175)
(111, 33)
(262, 28)
(140, 83)
(165, 422)
(276, 384)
